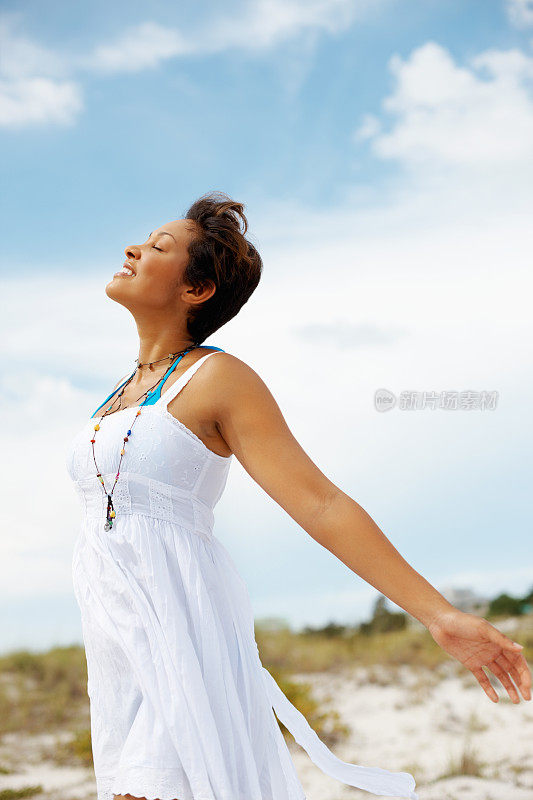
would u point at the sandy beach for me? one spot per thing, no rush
(437, 724)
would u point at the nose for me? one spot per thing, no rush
(132, 251)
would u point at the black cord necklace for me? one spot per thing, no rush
(110, 513)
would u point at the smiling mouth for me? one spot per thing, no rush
(126, 271)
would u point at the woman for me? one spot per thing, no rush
(181, 706)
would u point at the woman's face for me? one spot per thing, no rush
(157, 268)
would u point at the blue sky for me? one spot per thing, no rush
(384, 153)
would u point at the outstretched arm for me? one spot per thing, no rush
(251, 422)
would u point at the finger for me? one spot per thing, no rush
(485, 684)
(525, 673)
(504, 642)
(506, 665)
(513, 671)
(518, 668)
(505, 680)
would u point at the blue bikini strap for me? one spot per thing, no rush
(153, 397)
(111, 395)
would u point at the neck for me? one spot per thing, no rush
(156, 342)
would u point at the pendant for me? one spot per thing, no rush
(110, 513)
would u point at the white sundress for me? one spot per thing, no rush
(181, 706)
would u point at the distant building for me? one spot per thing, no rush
(466, 599)
(463, 599)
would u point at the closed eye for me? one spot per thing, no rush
(157, 248)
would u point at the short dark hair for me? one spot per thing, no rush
(220, 253)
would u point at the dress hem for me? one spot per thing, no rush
(371, 779)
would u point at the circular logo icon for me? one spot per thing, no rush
(384, 400)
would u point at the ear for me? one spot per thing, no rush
(197, 295)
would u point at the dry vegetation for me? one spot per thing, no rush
(44, 709)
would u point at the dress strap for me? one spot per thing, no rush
(178, 385)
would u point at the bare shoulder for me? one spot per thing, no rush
(239, 399)
(226, 364)
(232, 377)
(228, 396)
(231, 389)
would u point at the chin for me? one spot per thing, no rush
(114, 292)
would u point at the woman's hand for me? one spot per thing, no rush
(476, 643)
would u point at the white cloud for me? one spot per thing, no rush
(346, 335)
(31, 91)
(520, 12)
(143, 46)
(369, 127)
(34, 89)
(20, 57)
(256, 26)
(31, 101)
(265, 23)
(448, 115)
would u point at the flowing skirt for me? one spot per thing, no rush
(181, 706)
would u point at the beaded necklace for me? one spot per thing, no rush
(110, 513)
